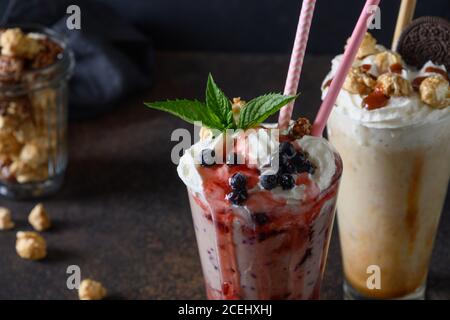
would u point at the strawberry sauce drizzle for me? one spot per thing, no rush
(292, 225)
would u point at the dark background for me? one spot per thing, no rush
(254, 25)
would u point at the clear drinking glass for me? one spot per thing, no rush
(391, 197)
(33, 126)
(279, 253)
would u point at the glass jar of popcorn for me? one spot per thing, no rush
(35, 65)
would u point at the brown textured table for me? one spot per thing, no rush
(123, 214)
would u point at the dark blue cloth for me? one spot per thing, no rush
(113, 58)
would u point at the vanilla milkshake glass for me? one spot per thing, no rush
(396, 171)
(393, 190)
(274, 244)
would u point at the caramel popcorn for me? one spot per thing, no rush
(301, 127)
(385, 59)
(91, 290)
(39, 218)
(15, 43)
(434, 91)
(367, 46)
(358, 82)
(6, 222)
(392, 84)
(30, 245)
(24, 173)
(9, 143)
(34, 153)
(11, 69)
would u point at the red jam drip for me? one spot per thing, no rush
(396, 68)
(437, 70)
(416, 83)
(375, 100)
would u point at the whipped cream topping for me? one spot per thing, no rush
(266, 147)
(399, 112)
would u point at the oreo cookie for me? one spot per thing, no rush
(426, 38)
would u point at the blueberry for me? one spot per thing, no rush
(287, 149)
(302, 164)
(286, 181)
(287, 166)
(260, 218)
(268, 181)
(238, 181)
(237, 197)
(208, 157)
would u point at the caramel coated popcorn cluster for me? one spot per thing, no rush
(390, 79)
(91, 290)
(30, 245)
(28, 138)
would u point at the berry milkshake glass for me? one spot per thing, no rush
(262, 199)
(391, 124)
(263, 234)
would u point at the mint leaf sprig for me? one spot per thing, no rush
(217, 112)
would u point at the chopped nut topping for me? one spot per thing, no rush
(15, 43)
(39, 218)
(358, 82)
(30, 245)
(434, 91)
(91, 290)
(367, 47)
(384, 60)
(392, 84)
(301, 127)
(6, 222)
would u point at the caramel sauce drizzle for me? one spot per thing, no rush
(396, 68)
(375, 100)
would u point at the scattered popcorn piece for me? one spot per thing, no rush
(358, 82)
(434, 91)
(91, 290)
(6, 222)
(384, 60)
(39, 218)
(392, 84)
(30, 245)
(15, 43)
(367, 46)
(301, 127)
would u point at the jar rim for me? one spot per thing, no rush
(62, 69)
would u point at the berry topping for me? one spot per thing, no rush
(302, 163)
(287, 149)
(238, 181)
(237, 197)
(208, 157)
(286, 181)
(269, 181)
(260, 218)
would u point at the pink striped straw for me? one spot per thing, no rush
(341, 74)
(295, 65)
